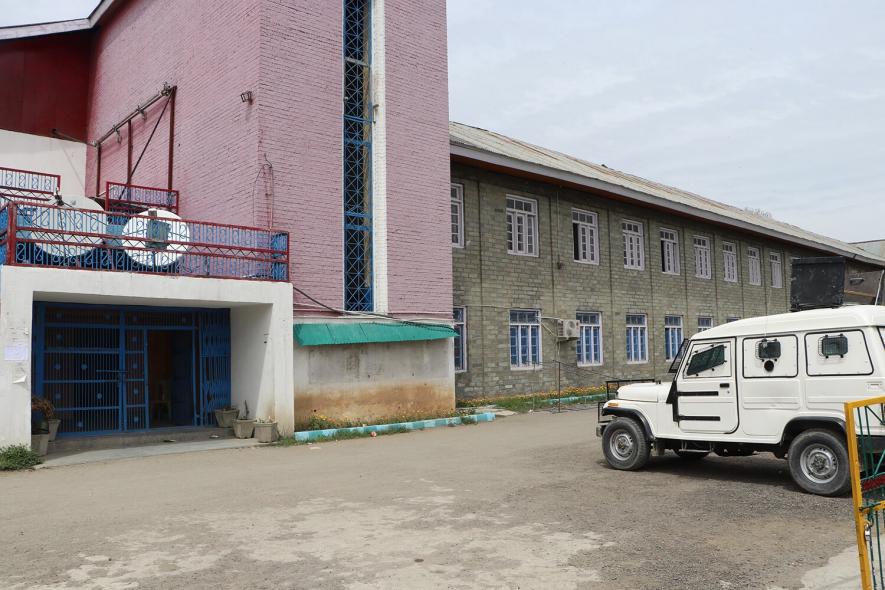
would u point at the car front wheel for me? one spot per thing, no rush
(624, 444)
(819, 463)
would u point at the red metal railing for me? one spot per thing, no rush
(36, 234)
(28, 184)
(133, 197)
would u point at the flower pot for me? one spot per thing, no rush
(52, 427)
(266, 432)
(225, 418)
(40, 443)
(243, 428)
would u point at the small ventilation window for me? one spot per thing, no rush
(833, 346)
(768, 350)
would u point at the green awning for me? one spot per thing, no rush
(366, 332)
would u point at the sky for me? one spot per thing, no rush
(778, 106)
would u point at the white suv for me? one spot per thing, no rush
(768, 384)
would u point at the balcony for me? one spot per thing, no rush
(41, 234)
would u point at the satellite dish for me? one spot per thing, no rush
(67, 223)
(156, 238)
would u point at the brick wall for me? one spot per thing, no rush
(489, 282)
(301, 104)
(210, 51)
(278, 161)
(419, 279)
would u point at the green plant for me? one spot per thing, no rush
(245, 414)
(319, 421)
(17, 457)
(530, 401)
(43, 405)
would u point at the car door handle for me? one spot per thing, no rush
(724, 385)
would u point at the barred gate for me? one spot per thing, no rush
(866, 419)
(92, 363)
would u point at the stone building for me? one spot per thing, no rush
(539, 236)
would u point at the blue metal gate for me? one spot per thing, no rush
(214, 361)
(92, 362)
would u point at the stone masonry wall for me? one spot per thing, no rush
(489, 282)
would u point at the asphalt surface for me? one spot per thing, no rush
(524, 502)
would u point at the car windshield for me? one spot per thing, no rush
(706, 360)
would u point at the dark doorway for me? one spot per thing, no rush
(170, 377)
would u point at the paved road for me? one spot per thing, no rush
(524, 502)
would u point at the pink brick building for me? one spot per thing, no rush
(245, 108)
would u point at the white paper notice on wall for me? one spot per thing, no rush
(17, 351)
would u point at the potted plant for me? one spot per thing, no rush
(40, 441)
(243, 426)
(50, 422)
(266, 430)
(224, 417)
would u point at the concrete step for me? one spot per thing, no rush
(64, 444)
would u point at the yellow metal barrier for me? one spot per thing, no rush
(865, 419)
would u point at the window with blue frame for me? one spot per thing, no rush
(525, 338)
(672, 336)
(459, 315)
(637, 338)
(358, 122)
(590, 341)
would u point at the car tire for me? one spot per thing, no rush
(625, 445)
(691, 456)
(819, 463)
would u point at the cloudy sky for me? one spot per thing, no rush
(772, 105)
(777, 105)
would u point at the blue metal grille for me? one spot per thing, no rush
(214, 361)
(358, 121)
(93, 364)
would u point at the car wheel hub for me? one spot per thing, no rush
(622, 445)
(819, 464)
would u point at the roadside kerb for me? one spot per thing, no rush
(309, 435)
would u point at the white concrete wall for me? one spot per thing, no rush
(261, 331)
(360, 382)
(46, 154)
(260, 336)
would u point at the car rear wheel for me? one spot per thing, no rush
(624, 445)
(819, 463)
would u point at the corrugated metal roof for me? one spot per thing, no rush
(320, 334)
(877, 247)
(494, 148)
(57, 27)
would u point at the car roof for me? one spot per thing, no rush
(850, 316)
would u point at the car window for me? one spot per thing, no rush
(706, 360)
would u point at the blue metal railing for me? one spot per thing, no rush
(157, 242)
